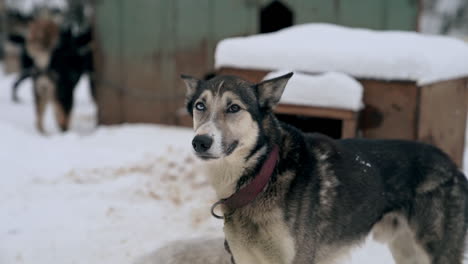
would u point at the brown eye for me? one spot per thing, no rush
(200, 106)
(233, 109)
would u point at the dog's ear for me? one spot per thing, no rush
(191, 83)
(270, 91)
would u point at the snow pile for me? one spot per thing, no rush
(331, 90)
(362, 53)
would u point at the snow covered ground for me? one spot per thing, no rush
(106, 195)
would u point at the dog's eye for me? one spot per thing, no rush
(233, 108)
(200, 107)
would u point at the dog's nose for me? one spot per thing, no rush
(202, 143)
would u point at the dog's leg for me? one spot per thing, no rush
(40, 103)
(63, 103)
(406, 250)
(436, 229)
(44, 91)
(92, 86)
(40, 108)
(439, 222)
(432, 227)
(393, 230)
(14, 94)
(61, 116)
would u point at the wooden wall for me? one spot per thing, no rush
(142, 46)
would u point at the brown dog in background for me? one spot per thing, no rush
(41, 40)
(58, 58)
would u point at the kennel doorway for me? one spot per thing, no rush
(275, 16)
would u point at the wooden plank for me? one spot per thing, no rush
(194, 45)
(442, 120)
(253, 76)
(349, 128)
(315, 111)
(184, 118)
(108, 61)
(402, 14)
(390, 109)
(148, 58)
(233, 18)
(362, 13)
(324, 11)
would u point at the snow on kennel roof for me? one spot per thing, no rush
(362, 53)
(331, 90)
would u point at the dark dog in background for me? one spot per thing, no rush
(56, 59)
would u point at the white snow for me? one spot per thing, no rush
(362, 162)
(361, 53)
(27, 6)
(109, 195)
(106, 195)
(330, 89)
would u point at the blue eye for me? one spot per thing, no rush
(200, 106)
(233, 109)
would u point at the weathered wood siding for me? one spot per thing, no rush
(144, 45)
(442, 116)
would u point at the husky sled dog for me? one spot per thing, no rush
(289, 197)
(56, 59)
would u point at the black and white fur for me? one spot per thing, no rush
(325, 196)
(70, 58)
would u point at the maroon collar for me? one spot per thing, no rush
(249, 192)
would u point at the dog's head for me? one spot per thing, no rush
(41, 39)
(228, 113)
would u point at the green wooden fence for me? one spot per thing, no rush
(143, 45)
